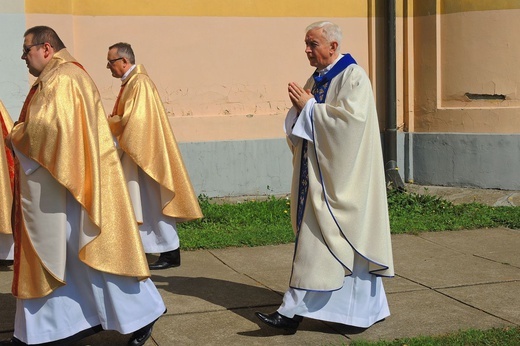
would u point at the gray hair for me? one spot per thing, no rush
(124, 50)
(331, 32)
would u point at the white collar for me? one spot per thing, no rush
(127, 73)
(328, 68)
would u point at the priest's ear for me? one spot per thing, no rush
(333, 47)
(48, 50)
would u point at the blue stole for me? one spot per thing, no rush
(319, 90)
(321, 83)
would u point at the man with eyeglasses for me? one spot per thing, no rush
(79, 264)
(159, 185)
(6, 189)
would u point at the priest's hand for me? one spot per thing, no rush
(299, 96)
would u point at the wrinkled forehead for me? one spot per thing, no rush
(315, 34)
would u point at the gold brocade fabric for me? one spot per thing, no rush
(66, 132)
(6, 173)
(142, 128)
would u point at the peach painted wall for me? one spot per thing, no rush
(470, 47)
(222, 73)
(222, 67)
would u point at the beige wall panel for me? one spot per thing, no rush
(425, 76)
(480, 54)
(232, 68)
(466, 52)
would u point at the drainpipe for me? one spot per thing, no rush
(393, 179)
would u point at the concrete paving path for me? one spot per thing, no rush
(445, 282)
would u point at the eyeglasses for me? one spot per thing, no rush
(111, 62)
(27, 49)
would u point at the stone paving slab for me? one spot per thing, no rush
(498, 244)
(238, 327)
(193, 295)
(399, 284)
(204, 282)
(500, 299)
(435, 265)
(426, 313)
(270, 265)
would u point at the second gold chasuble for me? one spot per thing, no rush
(66, 132)
(6, 173)
(144, 133)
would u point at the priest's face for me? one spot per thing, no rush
(115, 63)
(35, 55)
(320, 52)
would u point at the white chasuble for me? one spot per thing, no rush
(343, 244)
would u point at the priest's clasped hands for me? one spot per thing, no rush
(299, 96)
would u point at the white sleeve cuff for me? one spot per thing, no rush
(303, 126)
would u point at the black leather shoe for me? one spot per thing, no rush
(140, 336)
(280, 321)
(6, 263)
(167, 260)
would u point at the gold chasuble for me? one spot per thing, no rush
(140, 123)
(346, 209)
(6, 173)
(66, 132)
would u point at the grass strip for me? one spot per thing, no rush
(508, 336)
(267, 221)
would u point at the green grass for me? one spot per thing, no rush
(492, 337)
(413, 213)
(267, 222)
(250, 223)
